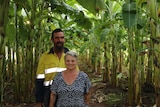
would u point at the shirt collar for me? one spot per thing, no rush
(52, 50)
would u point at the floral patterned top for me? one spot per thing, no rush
(71, 95)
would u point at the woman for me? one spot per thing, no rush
(70, 88)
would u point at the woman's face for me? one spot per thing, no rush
(70, 62)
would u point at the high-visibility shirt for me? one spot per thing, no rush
(49, 64)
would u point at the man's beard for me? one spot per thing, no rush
(59, 47)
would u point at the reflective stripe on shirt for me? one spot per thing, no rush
(47, 83)
(56, 69)
(40, 76)
(48, 71)
(51, 82)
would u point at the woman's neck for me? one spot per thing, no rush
(71, 71)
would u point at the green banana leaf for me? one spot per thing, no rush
(94, 6)
(129, 14)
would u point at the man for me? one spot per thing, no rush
(49, 63)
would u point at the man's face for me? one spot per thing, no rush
(58, 40)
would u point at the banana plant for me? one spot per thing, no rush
(96, 6)
(129, 18)
(23, 21)
(4, 7)
(153, 7)
(114, 9)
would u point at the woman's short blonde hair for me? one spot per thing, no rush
(71, 53)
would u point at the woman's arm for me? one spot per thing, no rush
(87, 97)
(52, 99)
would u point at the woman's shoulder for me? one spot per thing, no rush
(83, 74)
(59, 74)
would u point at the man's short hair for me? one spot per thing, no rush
(55, 31)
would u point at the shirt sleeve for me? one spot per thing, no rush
(54, 85)
(41, 67)
(87, 83)
(39, 88)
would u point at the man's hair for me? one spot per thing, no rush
(55, 31)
